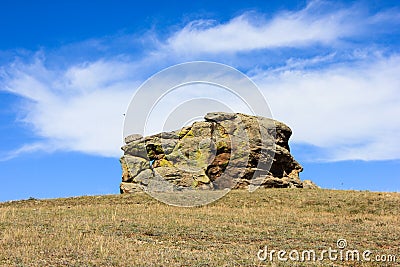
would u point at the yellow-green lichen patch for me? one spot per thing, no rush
(183, 132)
(188, 134)
(222, 146)
(221, 131)
(165, 163)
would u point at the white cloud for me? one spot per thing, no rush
(349, 110)
(78, 109)
(318, 23)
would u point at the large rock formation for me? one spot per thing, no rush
(226, 150)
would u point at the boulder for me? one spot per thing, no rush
(227, 150)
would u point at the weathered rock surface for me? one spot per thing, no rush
(227, 150)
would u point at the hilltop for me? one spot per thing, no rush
(136, 230)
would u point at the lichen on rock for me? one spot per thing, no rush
(227, 150)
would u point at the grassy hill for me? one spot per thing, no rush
(136, 230)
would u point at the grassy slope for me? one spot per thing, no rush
(136, 230)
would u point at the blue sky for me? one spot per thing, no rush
(329, 69)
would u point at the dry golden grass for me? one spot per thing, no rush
(136, 230)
